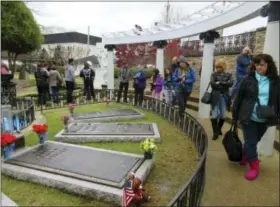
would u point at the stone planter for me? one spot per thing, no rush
(43, 138)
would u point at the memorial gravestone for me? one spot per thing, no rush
(104, 132)
(98, 166)
(110, 115)
(92, 172)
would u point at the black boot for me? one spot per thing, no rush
(221, 123)
(215, 129)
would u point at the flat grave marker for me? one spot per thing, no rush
(104, 132)
(95, 173)
(110, 115)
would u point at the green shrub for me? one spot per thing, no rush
(148, 71)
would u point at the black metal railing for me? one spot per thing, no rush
(191, 192)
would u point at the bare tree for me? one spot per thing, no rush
(61, 53)
(171, 14)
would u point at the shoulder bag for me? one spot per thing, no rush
(206, 98)
(265, 112)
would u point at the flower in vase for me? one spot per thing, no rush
(41, 131)
(149, 147)
(7, 144)
(107, 100)
(65, 118)
(71, 108)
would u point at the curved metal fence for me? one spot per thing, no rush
(191, 192)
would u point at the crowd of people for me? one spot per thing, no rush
(49, 81)
(254, 98)
(176, 84)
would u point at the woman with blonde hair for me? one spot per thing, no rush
(220, 83)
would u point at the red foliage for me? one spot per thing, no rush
(40, 129)
(7, 139)
(145, 53)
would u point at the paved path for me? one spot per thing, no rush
(6, 201)
(225, 183)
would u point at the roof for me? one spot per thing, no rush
(68, 37)
(93, 59)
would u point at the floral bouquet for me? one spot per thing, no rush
(7, 144)
(41, 130)
(71, 108)
(148, 146)
(65, 118)
(107, 100)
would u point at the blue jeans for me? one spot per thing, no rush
(239, 78)
(55, 94)
(252, 132)
(219, 111)
(168, 96)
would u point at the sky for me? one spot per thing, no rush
(104, 17)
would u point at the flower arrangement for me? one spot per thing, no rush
(148, 146)
(71, 108)
(7, 144)
(65, 118)
(107, 100)
(41, 131)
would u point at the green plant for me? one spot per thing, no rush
(148, 145)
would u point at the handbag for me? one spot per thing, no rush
(265, 112)
(206, 98)
(232, 144)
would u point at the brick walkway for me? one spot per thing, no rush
(225, 183)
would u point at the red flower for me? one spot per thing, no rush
(7, 139)
(40, 129)
(107, 100)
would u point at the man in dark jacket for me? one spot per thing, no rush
(242, 62)
(124, 77)
(88, 75)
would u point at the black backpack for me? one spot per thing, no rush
(232, 144)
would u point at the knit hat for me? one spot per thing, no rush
(182, 59)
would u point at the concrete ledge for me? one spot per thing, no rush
(72, 185)
(6, 201)
(78, 138)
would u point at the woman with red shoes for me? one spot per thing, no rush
(256, 106)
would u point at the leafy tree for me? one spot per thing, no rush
(43, 55)
(20, 32)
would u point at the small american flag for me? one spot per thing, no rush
(128, 196)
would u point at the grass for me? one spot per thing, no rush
(176, 160)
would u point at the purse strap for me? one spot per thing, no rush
(233, 127)
(208, 86)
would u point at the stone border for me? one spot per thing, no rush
(111, 118)
(60, 137)
(73, 185)
(6, 201)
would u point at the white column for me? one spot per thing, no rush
(271, 47)
(207, 69)
(110, 76)
(160, 60)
